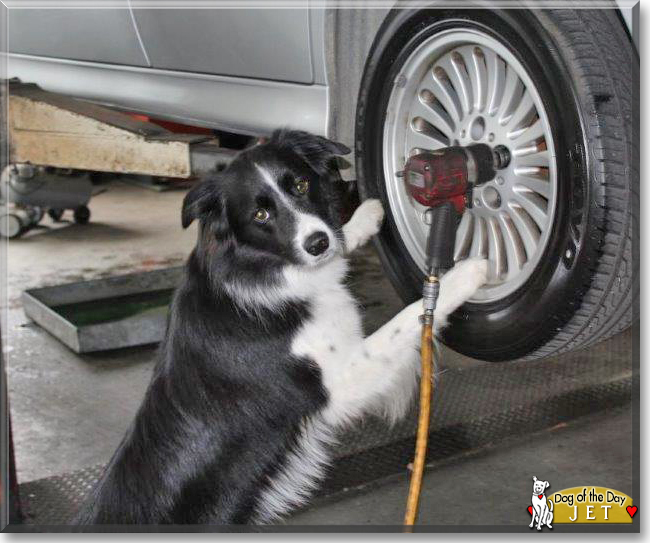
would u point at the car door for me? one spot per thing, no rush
(251, 43)
(94, 35)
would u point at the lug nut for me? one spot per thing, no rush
(501, 156)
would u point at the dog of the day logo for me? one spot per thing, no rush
(579, 505)
(541, 508)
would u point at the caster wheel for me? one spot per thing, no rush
(36, 215)
(55, 214)
(11, 226)
(82, 215)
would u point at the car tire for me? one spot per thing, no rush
(584, 288)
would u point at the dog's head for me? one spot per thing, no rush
(275, 203)
(539, 486)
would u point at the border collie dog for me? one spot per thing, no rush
(264, 357)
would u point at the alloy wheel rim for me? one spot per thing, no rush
(459, 87)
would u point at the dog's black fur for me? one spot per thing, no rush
(227, 398)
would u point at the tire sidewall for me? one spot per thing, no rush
(529, 317)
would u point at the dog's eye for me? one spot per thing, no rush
(261, 215)
(302, 186)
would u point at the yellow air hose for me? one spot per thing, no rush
(426, 386)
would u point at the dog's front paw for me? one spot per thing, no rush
(365, 223)
(473, 272)
(458, 285)
(371, 216)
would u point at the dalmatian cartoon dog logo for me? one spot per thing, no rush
(541, 508)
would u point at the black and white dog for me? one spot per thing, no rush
(264, 357)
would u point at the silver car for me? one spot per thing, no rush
(558, 87)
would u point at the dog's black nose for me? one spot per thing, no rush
(317, 243)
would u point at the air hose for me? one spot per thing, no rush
(422, 438)
(440, 246)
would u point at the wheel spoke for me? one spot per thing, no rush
(537, 160)
(539, 185)
(425, 136)
(464, 236)
(528, 230)
(496, 72)
(429, 108)
(529, 148)
(478, 75)
(461, 81)
(497, 249)
(511, 95)
(446, 94)
(515, 248)
(533, 203)
(523, 116)
(534, 132)
(480, 238)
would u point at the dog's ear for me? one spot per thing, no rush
(534, 478)
(196, 202)
(546, 484)
(205, 201)
(317, 151)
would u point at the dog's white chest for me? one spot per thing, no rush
(327, 338)
(332, 331)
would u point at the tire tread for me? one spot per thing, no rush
(607, 306)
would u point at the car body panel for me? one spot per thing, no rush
(98, 35)
(248, 106)
(252, 43)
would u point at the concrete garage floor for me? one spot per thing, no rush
(70, 411)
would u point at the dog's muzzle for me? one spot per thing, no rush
(317, 243)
